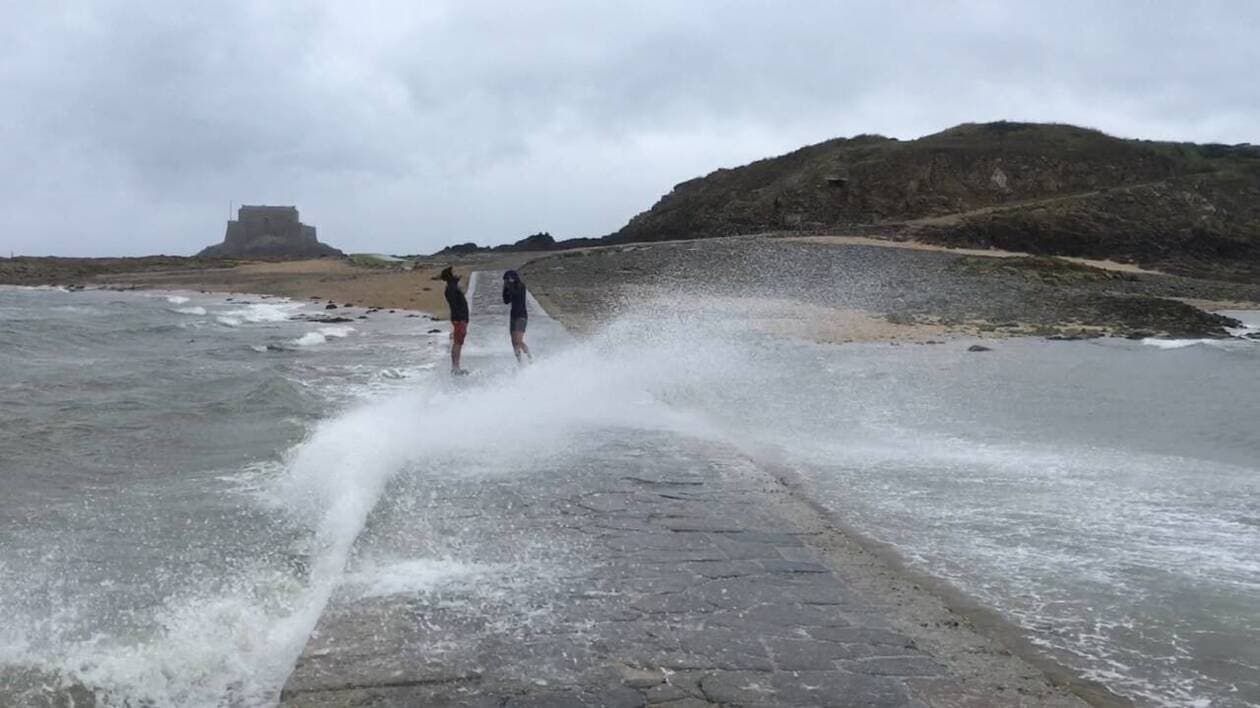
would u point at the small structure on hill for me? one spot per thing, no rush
(269, 232)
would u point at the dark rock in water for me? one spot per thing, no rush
(363, 317)
(1139, 334)
(435, 331)
(348, 304)
(322, 319)
(269, 232)
(413, 315)
(330, 306)
(1073, 336)
(978, 348)
(391, 312)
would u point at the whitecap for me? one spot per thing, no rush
(1174, 343)
(195, 310)
(260, 312)
(319, 337)
(176, 299)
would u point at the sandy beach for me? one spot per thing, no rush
(335, 281)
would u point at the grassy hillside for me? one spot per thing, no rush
(1045, 188)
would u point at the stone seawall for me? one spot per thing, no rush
(641, 567)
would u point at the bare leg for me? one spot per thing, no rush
(518, 346)
(455, 350)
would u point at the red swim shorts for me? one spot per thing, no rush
(459, 330)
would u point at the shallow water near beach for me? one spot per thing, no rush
(187, 479)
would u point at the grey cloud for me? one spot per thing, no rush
(403, 126)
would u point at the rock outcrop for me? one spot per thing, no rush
(269, 232)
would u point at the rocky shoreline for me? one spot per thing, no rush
(76, 272)
(833, 289)
(922, 293)
(401, 285)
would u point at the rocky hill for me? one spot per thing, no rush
(269, 232)
(542, 241)
(1044, 188)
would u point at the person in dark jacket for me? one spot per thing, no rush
(459, 317)
(518, 318)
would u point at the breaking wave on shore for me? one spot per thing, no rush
(234, 638)
(1037, 477)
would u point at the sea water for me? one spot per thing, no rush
(1102, 495)
(185, 478)
(143, 552)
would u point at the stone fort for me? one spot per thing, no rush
(269, 231)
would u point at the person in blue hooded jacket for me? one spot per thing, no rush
(518, 318)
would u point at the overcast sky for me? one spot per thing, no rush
(128, 127)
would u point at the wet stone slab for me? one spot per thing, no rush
(626, 580)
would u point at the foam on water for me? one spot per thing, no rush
(1176, 343)
(322, 335)
(1242, 335)
(176, 299)
(1129, 563)
(334, 478)
(212, 650)
(236, 646)
(259, 312)
(381, 578)
(310, 339)
(1249, 318)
